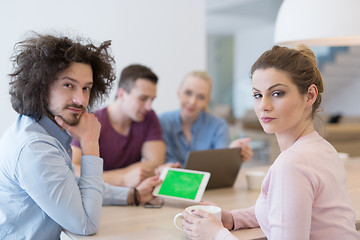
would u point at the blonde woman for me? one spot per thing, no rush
(304, 195)
(192, 127)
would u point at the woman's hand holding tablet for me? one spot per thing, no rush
(182, 184)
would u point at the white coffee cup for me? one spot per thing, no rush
(343, 156)
(254, 179)
(211, 209)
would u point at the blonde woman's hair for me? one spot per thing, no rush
(200, 74)
(203, 75)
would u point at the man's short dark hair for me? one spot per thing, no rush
(39, 59)
(131, 73)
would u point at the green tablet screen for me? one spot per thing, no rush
(181, 184)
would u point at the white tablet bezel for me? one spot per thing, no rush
(201, 189)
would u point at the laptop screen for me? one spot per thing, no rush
(223, 164)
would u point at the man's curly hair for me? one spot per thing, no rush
(39, 59)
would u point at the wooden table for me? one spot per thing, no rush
(145, 223)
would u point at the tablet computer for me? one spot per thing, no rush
(182, 184)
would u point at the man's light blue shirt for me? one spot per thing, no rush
(39, 192)
(208, 132)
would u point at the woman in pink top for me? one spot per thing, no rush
(304, 195)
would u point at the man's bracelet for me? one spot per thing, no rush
(136, 197)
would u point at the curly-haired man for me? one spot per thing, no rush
(54, 83)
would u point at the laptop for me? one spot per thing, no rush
(223, 165)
